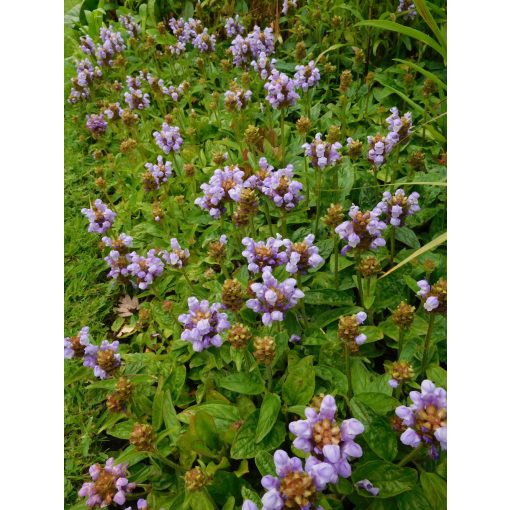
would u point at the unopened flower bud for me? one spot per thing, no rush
(369, 266)
(333, 134)
(253, 135)
(195, 479)
(226, 65)
(336, 21)
(329, 68)
(189, 170)
(100, 182)
(300, 50)
(400, 372)
(355, 147)
(417, 161)
(349, 330)
(303, 125)
(142, 437)
(429, 87)
(232, 295)
(264, 350)
(127, 145)
(359, 56)
(334, 216)
(369, 78)
(168, 305)
(239, 336)
(345, 81)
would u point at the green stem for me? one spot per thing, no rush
(347, 354)
(307, 181)
(269, 374)
(400, 341)
(392, 245)
(268, 217)
(337, 256)
(282, 134)
(410, 456)
(335, 182)
(186, 277)
(168, 462)
(318, 194)
(426, 346)
(283, 221)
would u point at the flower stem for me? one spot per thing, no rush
(186, 277)
(337, 255)
(426, 346)
(318, 206)
(347, 354)
(410, 456)
(269, 375)
(400, 341)
(268, 217)
(282, 134)
(392, 245)
(307, 181)
(168, 462)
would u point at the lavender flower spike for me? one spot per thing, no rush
(103, 359)
(203, 324)
(96, 124)
(262, 254)
(177, 257)
(326, 439)
(273, 298)
(295, 487)
(75, 346)
(100, 217)
(109, 485)
(281, 90)
(302, 256)
(398, 206)
(282, 189)
(169, 138)
(144, 269)
(307, 77)
(233, 26)
(322, 153)
(425, 419)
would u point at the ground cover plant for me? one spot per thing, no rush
(255, 255)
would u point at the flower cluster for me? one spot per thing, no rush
(177, 257)
(131, 26)
(262, 254)
(156, 174)
(380, 146)
(204, 42)
(273, 298)
(288, 3)
(113, 111)
(203, 324)
(136, 99)
(86, 73)
(112, 45)
(398, 206)
(96, 124)
(425, 419)
(233, 26)
(144, 270)
(74, 346)
(433, 297)
(295, 487)
(100, 217)
(263, 66)
(219, 189)
(236, 98)
(169, 138)
(109, 485)
(363, 231)
(87, 45)
(103, 359)
(302, 256)
(307, 76)
(280, 90)
(322, 153)
(280, 187)
(249, 48)
(400, 125)
(327, 440)
(409, 8)
(349, 330)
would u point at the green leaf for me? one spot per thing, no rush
(131, 456)
(373, 333)
(405, 30)
(299, 386)
(200, 500)
(268, 414)
(379, 402)
(360, 376)
(434, 488)
(265, 464)
(122, 430)
(437, 375)
(204, 429)
(244, 446)
(420, 69)
(391, 479)
(378, 433)
(414, 500)
(407, 236)
(226, 412)
(327, 297)
(244, 383)
(157, 405)
(332, 375)
(424, 12)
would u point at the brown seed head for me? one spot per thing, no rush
(239, 336)
(264, 349)
(142, 437)
(232, 295)
(403, 316)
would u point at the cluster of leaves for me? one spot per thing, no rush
(218, 409)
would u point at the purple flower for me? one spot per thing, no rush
(280, 90)
(87, 45)
(86, 74)
(112, 45)
(177, 49)
(169, 138)
(75, 346)
(307, 76)
(181, 30)
(141, 504)
(434, 297)
(322, 153)
(219, 189)
(380, 147)
(367, 485)
(260, 41)
(262, 254)
(282, 190)
(363, 231)
(204, 42)
(144, 269)
(408, 7)
(113, 111)
(236, 98)
(249, 505)
(136, 82)
(131, 26)
(240, 51)
(104, 359)
(118, 263)
(425, 418)
(109, 485)
(323, 437)
(177, 257)
(263, 66)
(100, 217)
(398, 206)
(400, 125)
(273, 298)
(302, 256)
(203, 324)
(233, 26)
(294, 487)
(286, 4)
(157, 174)
(136, 99)
(96, 124)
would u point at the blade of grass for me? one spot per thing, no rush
(420, 69)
